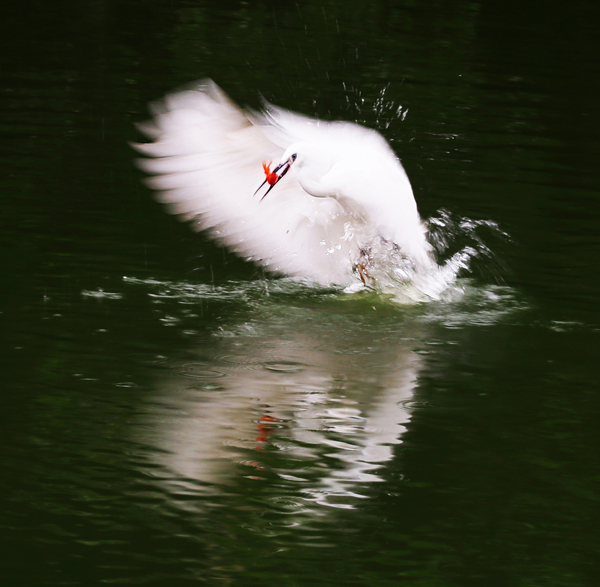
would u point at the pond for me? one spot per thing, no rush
(174, 415)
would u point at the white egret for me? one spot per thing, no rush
(345, 201)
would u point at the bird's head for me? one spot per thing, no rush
(272, 177)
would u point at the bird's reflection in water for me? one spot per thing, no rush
(310, 400)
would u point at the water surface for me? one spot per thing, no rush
(173, 416)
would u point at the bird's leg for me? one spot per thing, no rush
(362, 264)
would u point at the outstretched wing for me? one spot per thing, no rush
(205, 162)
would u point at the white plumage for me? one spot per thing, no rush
(344, 196)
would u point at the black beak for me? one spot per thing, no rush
(284, 167)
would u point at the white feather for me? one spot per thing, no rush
(345, 190)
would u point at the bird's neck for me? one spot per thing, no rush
(313, 186)
(313, 167)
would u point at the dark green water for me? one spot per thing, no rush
(172, 416)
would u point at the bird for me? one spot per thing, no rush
(326, 202)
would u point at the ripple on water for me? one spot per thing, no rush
(415, 404)
(241, 362)
(198, 370)
(284, 366)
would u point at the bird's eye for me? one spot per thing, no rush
(293, 157)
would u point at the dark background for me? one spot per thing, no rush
(492, 107)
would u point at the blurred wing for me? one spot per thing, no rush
(206, 163)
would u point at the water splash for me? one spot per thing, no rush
(461, 248)
(479, 240)
(386, 111)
